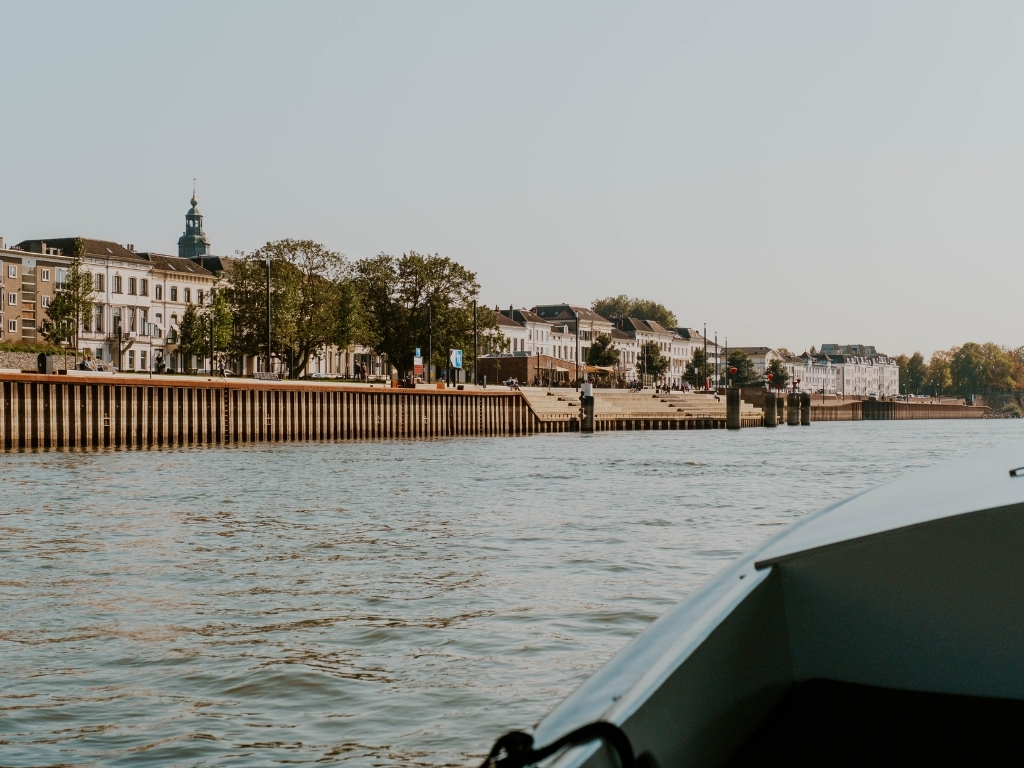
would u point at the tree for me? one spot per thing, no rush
(602, 353)
(71, 307)
(697, 369)
(917, 371)
(746, 373)
(223, 322)
(193, 334)
(938, 379)
(651, 362)
(902, 361)
(404, 297)
(313, 302)
(780, 376)
(617, 307)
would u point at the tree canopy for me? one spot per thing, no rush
(697, 370)
(312, 302)
(651, 362)
(403, 298)
(617, 307)
(746, 373)
(602, 352)
(71, 306)
(193, 339)
(780, 376)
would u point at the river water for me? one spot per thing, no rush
(382, 603)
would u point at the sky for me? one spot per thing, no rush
(791, 174)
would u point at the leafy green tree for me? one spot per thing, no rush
(617, 307)
(902, 361)
(404, 297)
(313, 302)
(71, 306)
(602, 353)
(938, 379)
(651, 362)
(223, 321)
(193, 335)
(697, 369)
(746, 373)
(917, 372)
(780, 376)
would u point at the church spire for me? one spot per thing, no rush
(193, 243)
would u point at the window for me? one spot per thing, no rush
(12, 270)
(174, 293)
(44, 275)
(12, 326)
(131, 319)
(158, 292)
(46, 301)
(117, 284)
(98, 317)
(144, 288)
(12, 299)
(131, 285)
(199, 297)
(142, 360)
(99, 354)
(117, 319)
(131, 359)
(188, 295)
(99, 282)
(62, 276)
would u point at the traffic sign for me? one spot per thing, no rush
(455, 357)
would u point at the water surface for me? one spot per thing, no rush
(381, 603)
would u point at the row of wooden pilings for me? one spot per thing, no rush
(60, 411)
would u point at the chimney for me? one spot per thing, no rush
(1, 243)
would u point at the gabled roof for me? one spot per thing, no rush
(214, 263)
(105, 249)
(617, 334)
(754, 350)
(176, 264)
(506, 322)
(657, 327)
(568, 312)
(526, 316)
(631, 325)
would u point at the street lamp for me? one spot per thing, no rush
(268, 313)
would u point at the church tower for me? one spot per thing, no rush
(193, 244)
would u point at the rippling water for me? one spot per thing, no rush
(382, 603)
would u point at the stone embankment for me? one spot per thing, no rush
(27, 361)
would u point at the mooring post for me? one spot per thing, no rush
(587, 408)
(770, 415)
(805, 409)
(793, 409)
(732, 408)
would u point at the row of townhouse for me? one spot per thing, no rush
(550, 330)
(854, 370)
(139, 299)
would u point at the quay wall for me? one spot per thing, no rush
(124, 411)
(871, 410)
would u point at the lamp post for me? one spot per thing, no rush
(268, 313)
(430, 340)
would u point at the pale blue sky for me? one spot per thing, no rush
(790, 173)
